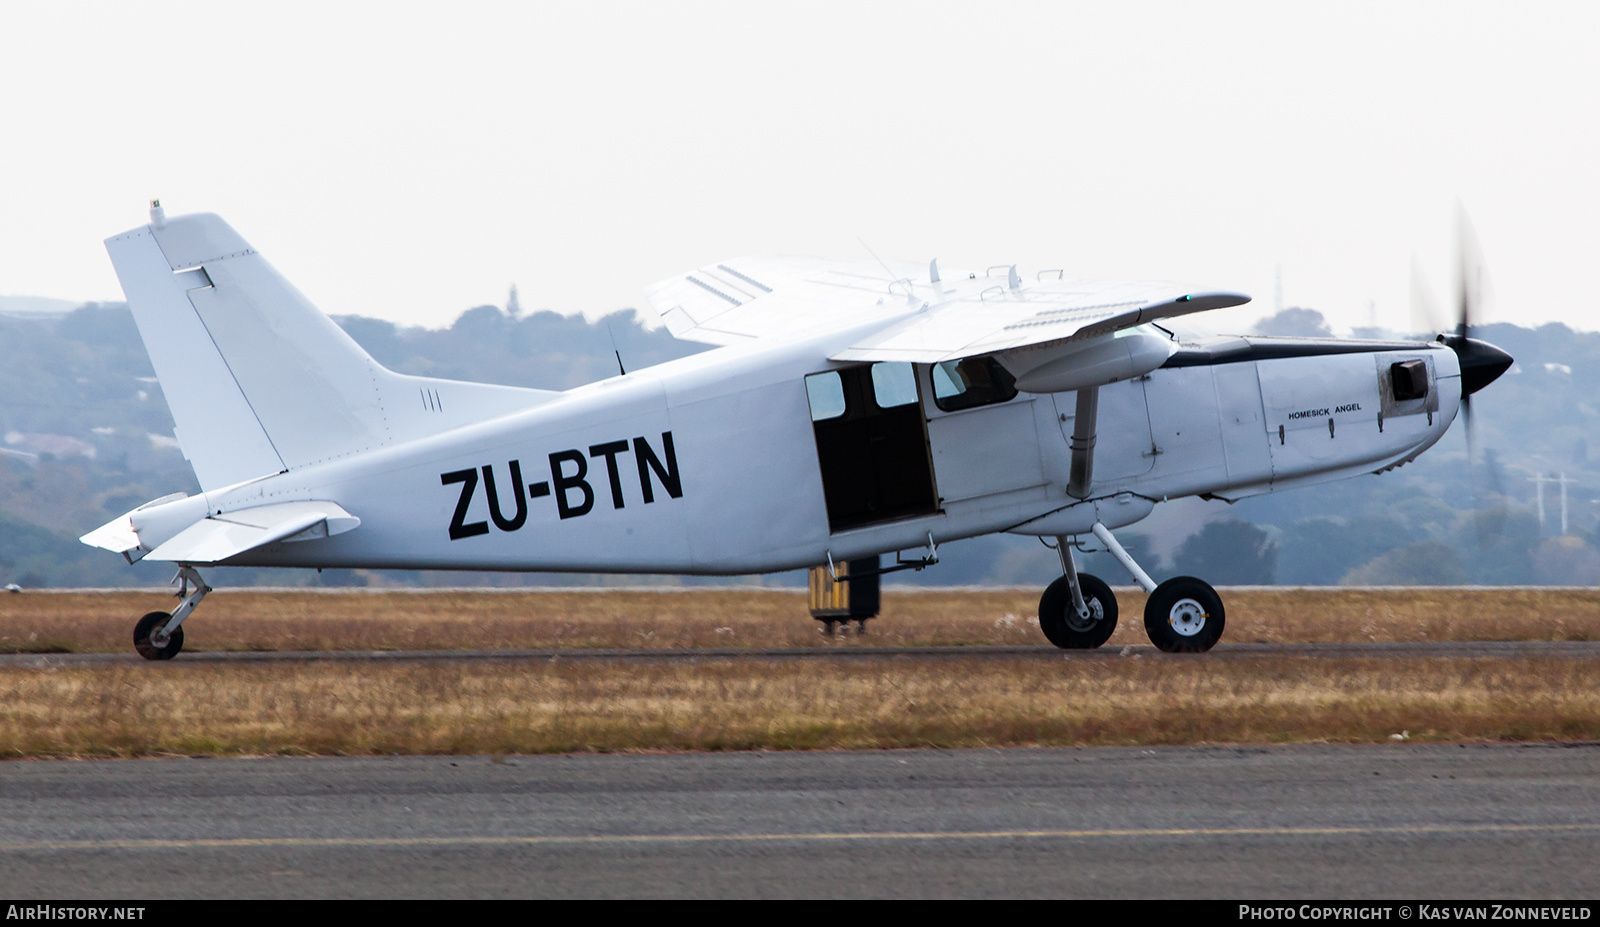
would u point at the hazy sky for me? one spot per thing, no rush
(409, 161)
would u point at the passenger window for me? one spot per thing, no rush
(893, 384)
(826, 392)
(971, 381)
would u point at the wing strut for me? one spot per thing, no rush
(1083, 431)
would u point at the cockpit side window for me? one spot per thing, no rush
(970, 382)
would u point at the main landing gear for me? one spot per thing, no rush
(158, 636)
(1079, 612)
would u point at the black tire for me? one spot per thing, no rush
(143, 630)
(1060, 621)
(1184, 615)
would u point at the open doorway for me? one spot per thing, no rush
(872, 444)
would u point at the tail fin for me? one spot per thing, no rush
(259, 380)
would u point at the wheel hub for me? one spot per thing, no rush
(1080, 623)
(1187, 617)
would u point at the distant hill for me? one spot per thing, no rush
(85, 435)
(32, 306)
(544, 350)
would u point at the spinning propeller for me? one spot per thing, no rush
(1481, 362)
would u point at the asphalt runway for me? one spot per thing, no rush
(839, 652)
(1403, 822)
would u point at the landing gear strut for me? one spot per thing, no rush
(1079, 611)
(158, 636)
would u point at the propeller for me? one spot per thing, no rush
(1481, 362)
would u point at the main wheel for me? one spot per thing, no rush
(1184, 615)
(147, 626)
(1061, 622)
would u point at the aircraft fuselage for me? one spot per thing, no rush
(713, 464)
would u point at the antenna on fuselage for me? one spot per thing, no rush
(621, 371)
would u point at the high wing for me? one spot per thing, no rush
(1000, 319)
(763, 296)
(927, 319)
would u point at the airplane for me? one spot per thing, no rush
(850, 410)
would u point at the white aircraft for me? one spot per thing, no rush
(853, 409)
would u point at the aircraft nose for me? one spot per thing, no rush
(1481, 362)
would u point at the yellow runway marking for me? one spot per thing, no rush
(382, 842)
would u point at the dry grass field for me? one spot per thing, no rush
(75, 622)
(174, 708)
(368, 708)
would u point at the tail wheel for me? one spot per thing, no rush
(1063, 625)
(1184, 615)
(147, 648)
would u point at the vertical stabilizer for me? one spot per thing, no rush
(218, 430)
(258, 379)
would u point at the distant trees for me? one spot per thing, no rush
(543, 350)
(1304, 323)
(1319, 551)
(1228, 553)
(1567, 561)
(1425, 563)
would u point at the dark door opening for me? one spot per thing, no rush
(872, 444)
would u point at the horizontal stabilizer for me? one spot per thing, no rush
(116, 536)
(218, 537)
(121, 534)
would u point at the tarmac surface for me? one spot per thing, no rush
(1405, 822)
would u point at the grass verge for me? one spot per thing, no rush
(359, 708)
